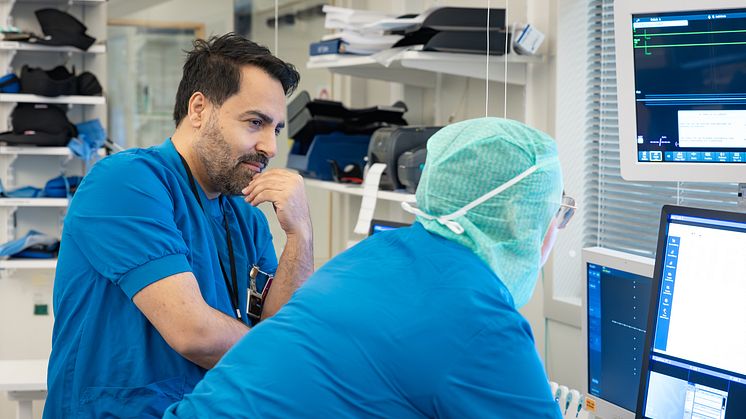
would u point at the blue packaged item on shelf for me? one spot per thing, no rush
(61, 186)
(341, 148)
(330, 46)
(22, 192)
(10, 83)
(33, 245)
(91, 137)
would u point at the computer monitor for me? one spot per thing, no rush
(694, 363)
(615, 300)
(377, 226)
(681, 89)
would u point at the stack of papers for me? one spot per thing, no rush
(351, 19)
(354, 39)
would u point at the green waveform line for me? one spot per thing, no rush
(689, 45)
(646, 35)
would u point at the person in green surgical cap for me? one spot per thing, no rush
(420, 321)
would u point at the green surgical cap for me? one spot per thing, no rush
(467, 160)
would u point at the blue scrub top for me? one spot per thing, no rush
(406, 324)
(133, 221)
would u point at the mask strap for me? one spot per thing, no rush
(447, 220)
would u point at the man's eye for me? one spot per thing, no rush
(256, 122)
(277, 132)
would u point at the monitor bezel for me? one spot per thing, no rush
(631, 169)
(666, 212)
(621, 261)
(377, 221)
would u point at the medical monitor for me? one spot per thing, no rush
(616, 295)
(694, 364)
(377, 226)
(681, 89)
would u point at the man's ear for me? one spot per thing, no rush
(196, 112)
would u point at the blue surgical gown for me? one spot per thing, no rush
(133, 221)
(405, 324)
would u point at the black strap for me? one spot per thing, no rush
(232, 290)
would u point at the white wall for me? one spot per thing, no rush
(217, 15)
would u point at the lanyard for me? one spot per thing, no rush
(232, 290)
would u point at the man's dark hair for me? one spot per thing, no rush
(213, 67)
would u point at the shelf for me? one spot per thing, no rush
(369, 68)
(25, 46)
(69, 100)
(34, 202)
(88, 2)
(358, 190)
(9, 150)
(419, 68)
(28, 264)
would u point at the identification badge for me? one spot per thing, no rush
(255, 300)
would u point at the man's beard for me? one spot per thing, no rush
(227, 174)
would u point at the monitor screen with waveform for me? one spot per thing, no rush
(690, 86)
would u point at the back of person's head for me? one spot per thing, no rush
(470, 159)
(213, 67)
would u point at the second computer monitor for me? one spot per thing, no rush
(694, 365)
(616, 299)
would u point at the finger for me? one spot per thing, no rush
(277, 176)
(288, 182)
(264, 188)
(275, 197)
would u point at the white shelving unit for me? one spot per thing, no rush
(55, 2)
(33, 151)
(420, 68)
(28, 264)
(34, 202)
(31, 165)
(6, 150)
(431, 83)
(64, 100)
(357, 190)
(24, 46)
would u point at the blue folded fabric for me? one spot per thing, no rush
(34, 244)
(91, 137)
(59, 187)
(23, 192)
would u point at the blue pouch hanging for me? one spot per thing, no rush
(10, 83)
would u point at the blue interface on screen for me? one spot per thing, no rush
(690, 86)
(377, 228)
(697, 361)
(618, 304)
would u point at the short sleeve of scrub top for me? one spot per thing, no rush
(142, 243)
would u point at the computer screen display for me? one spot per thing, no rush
(695, 356)
(690, 86)
(377, 226)
(617, 318)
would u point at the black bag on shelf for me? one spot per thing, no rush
(39, 124)
(55, 82)
(58, 81)
(61, 29)
(88, 84)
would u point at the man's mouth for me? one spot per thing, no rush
(253, 166)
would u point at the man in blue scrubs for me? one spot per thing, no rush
(419, 321)
(158, 244)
